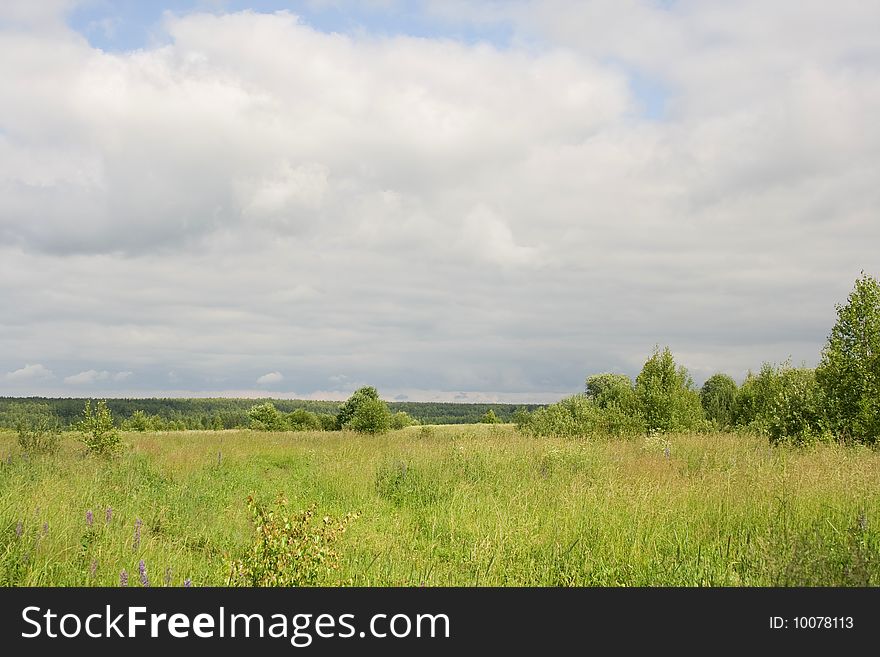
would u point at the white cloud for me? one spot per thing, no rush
(425, 214)
(34, 372)
(87, 377)
(270, 378)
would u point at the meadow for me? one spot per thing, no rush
(462, 505)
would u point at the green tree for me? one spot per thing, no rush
(849, 370)
(401, 420)
(302, 420)
(371, 416)
(38, 428)
(139, 421)
(667, 396)
(265, 417)
(718, 397)
(99, 434)
(489, 417)
(358, 397)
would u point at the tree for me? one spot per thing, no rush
(303, 420)
(666, 395)
(38, 428)
(99, 434)
(265, 417)
(489, 417)
(401, 420)
(718, 397)
(139, 421)
(849, 370)
(371, 416)
(358, 397)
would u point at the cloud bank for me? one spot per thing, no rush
(252, 195)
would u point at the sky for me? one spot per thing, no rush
(462, 201)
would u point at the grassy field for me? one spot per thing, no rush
(451, 505)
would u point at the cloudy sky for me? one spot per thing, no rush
(447, 200)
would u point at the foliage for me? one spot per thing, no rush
(139, 421)
(783, 403)
(580, 416)
(371, 416)
(718, 397)
(288, 548)
(489, 417)
(521, 418)
(849, 371)
(608, 389)
(327, 422)
(358, 397)
(99, 434)
(401, 420)
(666, 395)
(265, 417)
(38, 429)
(303, 420)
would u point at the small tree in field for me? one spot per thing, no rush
(99, 434)
(718, 397)
(371, 416)
(667, 396)
(265, 417)
(358, 397)
(489, 417)
(849, 371)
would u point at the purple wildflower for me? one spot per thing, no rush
(168, 577)
(667, 452)
(123, 578)
(93, 568)
(90, 517)
(137, 534)
(142, 569)
(108, 515)
(19, 528)
(46, 528)
(187, 582)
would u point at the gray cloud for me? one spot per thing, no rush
(432, 217)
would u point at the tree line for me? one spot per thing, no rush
(837, 400)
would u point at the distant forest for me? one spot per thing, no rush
(226, 413)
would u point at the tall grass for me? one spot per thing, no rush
(454, 505)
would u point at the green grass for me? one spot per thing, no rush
(452, 505)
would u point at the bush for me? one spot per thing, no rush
(99, 434)
(718, 398)
(139, 421)
(666, 395)
(401, 420)
(288, 549)
(521, 418)
(327, 422)
(265, 417)
(358, 397)
(38, 429)
(371, 416)
(489, 417)
(302, 420)
(849, 370)
(608, 389)
(579, 417)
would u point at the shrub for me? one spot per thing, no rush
(139, 421)
(521, 418)
(401, 420)
(606, 389)
(489, 417)
(265, 417)
(327, 422)
(358, 397)
(755, 398)
(666, 395)
(38, 429)
(288, 548)
(718, 398)
(99, 434)
(371, 416)
(302, 420)
(849, 370)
